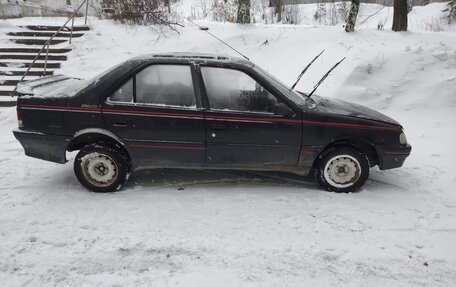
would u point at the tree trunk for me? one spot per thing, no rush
(400, 15)
(278, 9)
(351, 21)
(167, 4)
(243, 14)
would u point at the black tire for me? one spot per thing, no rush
(347, 169)
(101, 167)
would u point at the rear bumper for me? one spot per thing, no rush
(393, 157)
(43, 146)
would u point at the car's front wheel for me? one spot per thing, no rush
(342, 169)
(101, 168)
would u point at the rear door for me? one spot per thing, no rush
(158, 114)
(246, 123)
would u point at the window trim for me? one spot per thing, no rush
(239, 111)
(146, 105)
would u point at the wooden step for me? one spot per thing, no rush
(5, 93)
(32, 50)
(31, 57)
(7, 100)
(30, 73)
(55, 28)
(39, 42)
(8, 82)
(44, 34)
(25, 65)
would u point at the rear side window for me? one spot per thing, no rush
(162, 85)
(165, 85)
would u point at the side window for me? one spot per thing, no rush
(123, 94)
(229, 89)
(169, 85)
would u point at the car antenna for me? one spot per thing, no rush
(206, 29)
(305, 69)
(324, 77)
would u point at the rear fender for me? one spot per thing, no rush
(92, 135)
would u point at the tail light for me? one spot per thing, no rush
(19, 118)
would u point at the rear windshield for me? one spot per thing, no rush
(96, 79)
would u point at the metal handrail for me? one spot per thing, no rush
(46, 45)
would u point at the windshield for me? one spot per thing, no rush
(289, 93)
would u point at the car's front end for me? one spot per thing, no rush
(393, 156)
(384, 133)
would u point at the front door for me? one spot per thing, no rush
(158, 116)
(245, 123)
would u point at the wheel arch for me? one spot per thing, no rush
(95, 135)
(359, 144)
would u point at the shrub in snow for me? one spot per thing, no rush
(331, 13)
(320, 13)
(290, 14)
(224, 11)
(434, 25)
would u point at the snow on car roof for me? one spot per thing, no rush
(192, 56)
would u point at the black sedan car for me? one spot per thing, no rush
(201, 112)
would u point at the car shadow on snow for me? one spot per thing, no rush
(186, 178)
(181, 179)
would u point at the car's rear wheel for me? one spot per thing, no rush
(101, 168)
(342, 169)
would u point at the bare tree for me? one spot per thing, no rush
(400, 15)
(278, 9)
(167, 4)
(243, 14)
(351, 20)
(278, 6)
(144, 12)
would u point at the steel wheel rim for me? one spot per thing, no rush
(99, 169)
(342, 171)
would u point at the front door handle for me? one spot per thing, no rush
(218, 127)
(120, 125)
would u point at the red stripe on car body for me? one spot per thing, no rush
(347, 125)
(169, 147)
(59, 107)
(153, 113)
(396, 153)
(254, 119)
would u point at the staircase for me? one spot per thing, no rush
(18, 49)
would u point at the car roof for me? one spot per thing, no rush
(188, 57)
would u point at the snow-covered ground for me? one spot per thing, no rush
(202, 228)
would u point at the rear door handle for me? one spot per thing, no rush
(120, 125)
